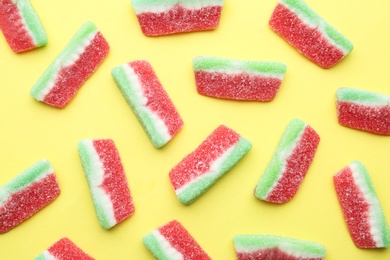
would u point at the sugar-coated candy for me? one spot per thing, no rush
(214, 157)
(271, 247)
(72, 67)
(26, 194)
(291, 160)
(64, 249)
(362, 210)
(177, 16)
(107, 181)
(149, 101)
(309, 33)
(21, 25)
(238, 79)
(363, 110)
(172, 241)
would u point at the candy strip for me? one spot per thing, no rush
(237, 79)
(362, 210)
(309, 33)
(172, 241)
(21, 26)
(214, 157)
(276, 247)
(363, 110)
(26, 194)
(177, 16)
(107, 181)
(63, 249)
(149, 101)
(72, 67)
(291, 160)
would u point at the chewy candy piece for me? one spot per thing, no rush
(107, 181)
(214, 157)
(291, 160)
(309, 33)
(63, 249)
(361, 208)
(21, 26)
(26, 194)
(177, 16)
(149, 101)
(276, 247)
(235, 79)
(172, 241)
(72, 67)
(363, 110)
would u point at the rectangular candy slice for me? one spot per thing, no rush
(291, 160)
(309, 33)
(63, 249)
(172, 241)
(26, 194)
(177, 16)
(363, 110)
(361, 207)
(107, 181)
(276, 247)
(236, 79)
(21, 26)
(72, 67)
(149, 101)
(214, 157)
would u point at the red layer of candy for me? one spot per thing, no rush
(179, 238)
(26, 202)
(70, 79)
(242, 86)
(179, 19)
(271, 254)
(13, 29)
(297, 166)
(158, 100)
(371, 119)
(309, 41)
(65, 249)
(114, 182)
(199, 161)
(355, 208)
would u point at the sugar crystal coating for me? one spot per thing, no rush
(64, 249)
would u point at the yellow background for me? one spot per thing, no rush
(31, 131)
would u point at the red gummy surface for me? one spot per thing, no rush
(115, 182)
(355, 208)
(70, 79)
(297, 166)
(64, 249)
(199, 161)
(158, 99)
(371, 119)
(182, 241)
(243, 86)
(179, 19)
(309, 41)
(26, 202)
(13, 29)
(271, 254)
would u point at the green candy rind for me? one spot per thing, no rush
(149, 4)
(362, 97)
(154, 246)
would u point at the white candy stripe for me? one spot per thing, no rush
(164, 6)
(168, 250)
(141, 103)
(95, 180)
(47, 256)
(232, 71)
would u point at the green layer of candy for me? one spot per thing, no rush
(49, 75)
(308, 15)
(26, 178)
(302, 248)
(362, 97)
(200, 185)
(150, 5)
(220, 64)
(287, 143)
(154, 246)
